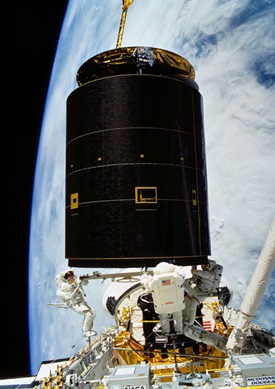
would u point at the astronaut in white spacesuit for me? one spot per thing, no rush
(166, 286)
(204, 283)
(70, 291)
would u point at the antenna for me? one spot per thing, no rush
(125, 6)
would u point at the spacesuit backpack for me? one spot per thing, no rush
(167, 289)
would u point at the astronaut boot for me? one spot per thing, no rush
(177, 323)
(89, 334)
(88, 325)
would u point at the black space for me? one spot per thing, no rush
(31, 32)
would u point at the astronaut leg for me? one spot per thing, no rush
(185, 312)
(84, 309)
(165, 323)
(87, 323)
(200, 335)
(190, 310)
(177, 319)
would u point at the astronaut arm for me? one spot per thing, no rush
(63, 295)
(145, 281)
(206, 274)
(188, 288)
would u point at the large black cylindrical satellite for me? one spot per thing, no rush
(136, 182)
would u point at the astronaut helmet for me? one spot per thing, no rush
(164, 267)
(69, 273)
